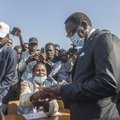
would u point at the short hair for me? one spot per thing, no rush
(72, 50)
(77, 18)
(39, 63)
(62, 51)
(57, 45)
(48, 44)
(17, 47)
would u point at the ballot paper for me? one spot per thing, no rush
(34, 116)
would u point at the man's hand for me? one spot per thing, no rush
(46, 92)
(43, 57)
(18, 32)
(37, 96)
(30, 58)
(53, 91)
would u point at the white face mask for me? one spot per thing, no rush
(76, 40)
(39, 79)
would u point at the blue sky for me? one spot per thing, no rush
(44, 19)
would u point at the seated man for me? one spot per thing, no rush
(36, 83)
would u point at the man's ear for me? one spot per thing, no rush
(84, 25)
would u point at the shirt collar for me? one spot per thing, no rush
(91, 32)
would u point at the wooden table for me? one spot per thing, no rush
(65, 116)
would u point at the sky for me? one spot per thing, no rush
(44, 19)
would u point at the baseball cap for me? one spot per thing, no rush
(4, 29)
(33, 40)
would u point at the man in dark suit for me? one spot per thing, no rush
(96, 73)
(8, 62)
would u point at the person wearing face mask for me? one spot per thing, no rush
(77, 41)
(93, 93)
(34, 84)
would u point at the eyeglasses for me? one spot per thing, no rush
(73, 31)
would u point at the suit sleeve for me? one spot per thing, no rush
(103, 83)
(9, 73)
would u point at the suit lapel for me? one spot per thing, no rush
(88, 41)
(86, 44)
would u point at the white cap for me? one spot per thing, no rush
(4, 29)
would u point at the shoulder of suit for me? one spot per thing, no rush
(98, 33)
(9, 50)
(103, 31)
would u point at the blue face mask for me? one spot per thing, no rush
(76, 40)
(39, 79)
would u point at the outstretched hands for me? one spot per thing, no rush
(37, 96)
(52, 92)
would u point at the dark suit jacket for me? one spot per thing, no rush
(8, 62)
(96, 79)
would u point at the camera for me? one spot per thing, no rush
(42, 50)
(14, 30)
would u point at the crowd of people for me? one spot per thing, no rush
(85, 78)
(54, 65)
